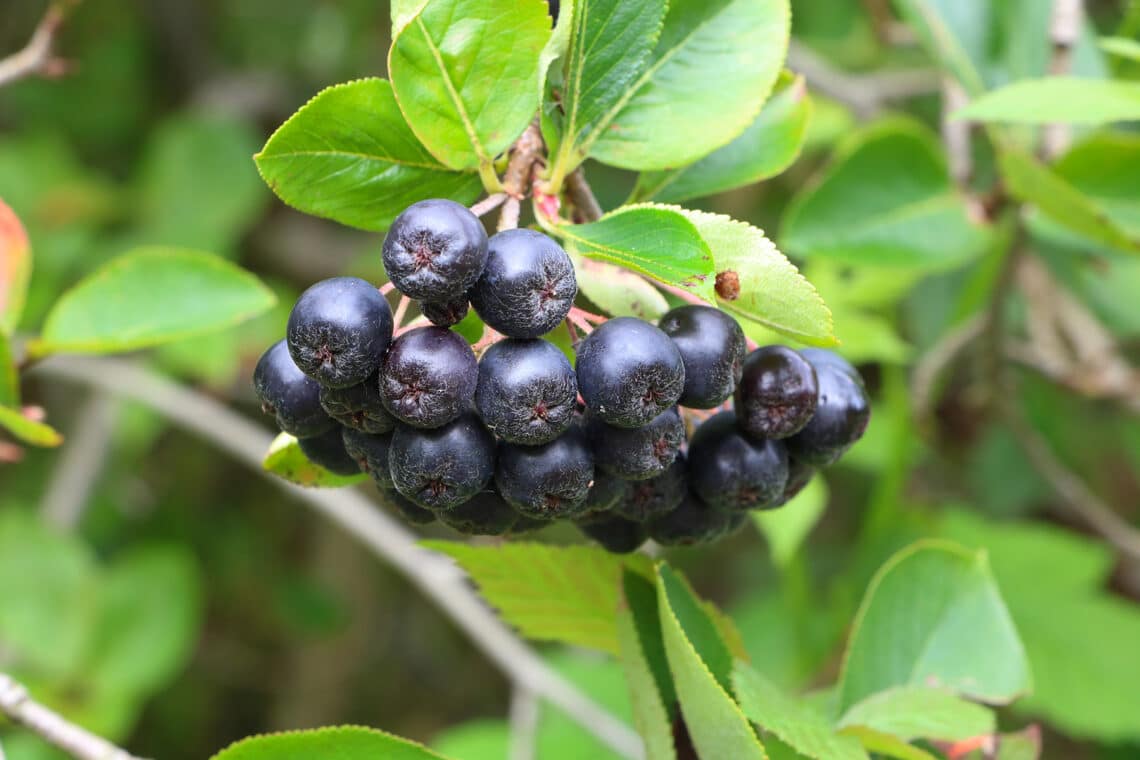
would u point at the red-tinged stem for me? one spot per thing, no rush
(751, 344)
(420, 321)
(488, 204)
(490, 337)
(579, 322)
(585, 316)
(401, 311)
(387, 288)
(681, 293)
(574, 337)
(960, 749)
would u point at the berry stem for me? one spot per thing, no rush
(681, 293)
(488, 204)
(401, 311)
(579, 322)
(420, 321)
(582, 196)
(585, 316)
(490, 337)
(509, 217)
(387, 288)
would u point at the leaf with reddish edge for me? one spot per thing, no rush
(15, 268)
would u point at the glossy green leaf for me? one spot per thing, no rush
(196, 187)
(716, 725)
(769, 289)
(1121, 47)
(550, 593)
(1076, 632)
(466, 72)
(618, 292)
(671, 116)
(642, 654)
(698, 623)
(911, 712)
(1023, 745)
(766, 148)
(1104, 168)
(954, 32)
(486, 739)
(341, 743)
(886, 200)
(286, 460)
(403, 11)
(15, 268)
(800, 727)
(9, 379)
(558, 736)
(933, 616)
(786, 528)
(150, 611)
(29, 431)
(348, 155)
(1065, 100)
(1032, 182)
(653, 240)
(608, 48)
(887, 745)
(148, 297)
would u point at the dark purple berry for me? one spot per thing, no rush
(409, 511)
(616, 535)
(528, 285)
(359, 407)
(287, 393)
(429, 377)
(435, 250)
(692, 522)
(712, 347)
(629, 372)
(327, 450)
(525, 524)
(820, 357)
(777, 393)
(486, 514)
(799, 475)
(656, 496)
(441, 468)
(445, 313)
(338, 331)
(839, 420)
(371, 454)
(731, 472)
(637, 453)
(527, 391)
(606, 492)
(550, 481)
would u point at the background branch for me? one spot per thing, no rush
(53, 728)
(865, 94)
(435, 575)
(37, 58)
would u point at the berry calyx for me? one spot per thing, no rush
(443, 467)
(527, 391)
(429, 377)
(528, 285)
(550, 481)
(435, 250)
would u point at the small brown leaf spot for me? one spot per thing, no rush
(728, 285)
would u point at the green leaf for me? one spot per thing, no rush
(656, 241)
(341, 743)
(618, 292)
(286, 460)
(559, 737)
(799, 726)
(642, 654)
(9, 378)
(766, 148)
(348, 155)
(1065, 100)
(770, 291)
(150, 612)
(887, 745)
(196, 188)
(1023, 745)
(1032, 182)
(1104, 168)
(954, 32)
(550, 593)
(1076, 633)
(608, 47)
(47, 595)
(475, 740)
(1121, 47)
(911, 712)
(887, 200)
(15, 268)
(698, 624)
(716, 725)
(148, 297)
(933, 616)
(403, 11)
(466, 75)
(787, 527)
(29, 431)
(671, 116)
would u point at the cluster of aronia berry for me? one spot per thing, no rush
(518, 438)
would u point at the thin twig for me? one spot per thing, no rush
(77, 470)
(1077, 496)
(582, 196)
(401, 311)
(524, 724)
(509, 216)
(956, 132)
(1064, 31)
(18, 706)
(488, 204)
(387, 288)
(681, 293)
(867, 94)
(525, 153)
(935, 362)
(37, 57)
(435, 575)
